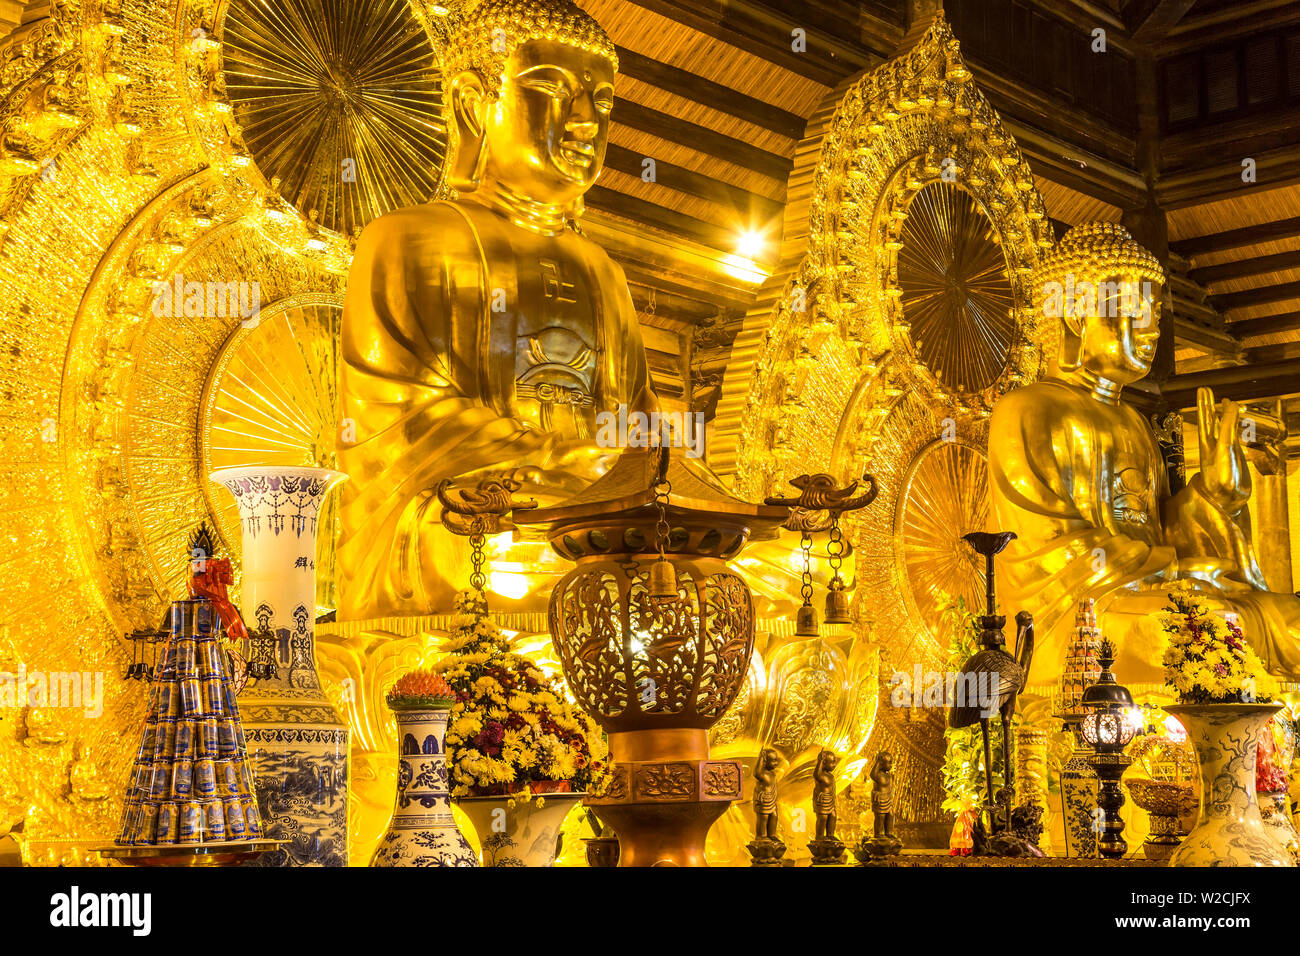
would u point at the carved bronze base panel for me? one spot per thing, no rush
(662, 834)
(662, 809)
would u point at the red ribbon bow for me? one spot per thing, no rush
(209, 578)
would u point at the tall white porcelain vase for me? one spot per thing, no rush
(297, 743)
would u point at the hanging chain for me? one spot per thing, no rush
(662, 489)
(806, 590)
(477, 579)
(835, 548)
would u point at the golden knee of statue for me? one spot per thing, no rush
(1078, 475)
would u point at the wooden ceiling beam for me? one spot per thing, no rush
(701, 138)
(1071, 165)
(1246, 268)
(672, 262)
(724, 99)
(752, 210)
(670, 305)
(1264, 295)
(1268, 325)
(767, 34)
(660, 217)
(1237, 382)
(1280, 229)
(1219, 26)
(1222, 180)
(1206, 339)
(1148, 19)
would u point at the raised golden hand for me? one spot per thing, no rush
(1223, 461)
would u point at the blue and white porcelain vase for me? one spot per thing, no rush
(297, 743)
(423, 831)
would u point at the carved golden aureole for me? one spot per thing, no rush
(511, 332)
(881, 346)
(1078, 475)
(104, 422)
(656, 669)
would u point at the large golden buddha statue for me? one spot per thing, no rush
(1079, 476)
(482, 336)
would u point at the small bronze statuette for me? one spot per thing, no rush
(766, 848)
(884, 842)
(826, 849)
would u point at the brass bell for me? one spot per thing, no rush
(663, 581)
(806, 622)
(837, 605)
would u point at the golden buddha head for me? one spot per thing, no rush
(528, 87)
(1105, 290)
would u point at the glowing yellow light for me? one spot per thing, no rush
(508, 584)
(638, 642)
(797, 562)
(750, 244)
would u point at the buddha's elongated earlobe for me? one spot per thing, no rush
(468, 132)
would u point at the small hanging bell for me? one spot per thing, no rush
(806, 622)
(663, 581)
(837, 605)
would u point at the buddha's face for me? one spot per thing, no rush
(1120, 331)
(547, 131)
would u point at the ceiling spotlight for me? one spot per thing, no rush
(750, 244)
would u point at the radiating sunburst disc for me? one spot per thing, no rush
(272, 399)
(944, 496)
(955, 292)
(338, 99)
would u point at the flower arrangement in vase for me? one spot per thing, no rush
(515, 743)
(1224, 697)
(1207, 659)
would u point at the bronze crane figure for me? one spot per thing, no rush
(992, 667)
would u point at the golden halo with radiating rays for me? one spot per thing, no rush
(271, 398)
(340, 101)
(955, 295)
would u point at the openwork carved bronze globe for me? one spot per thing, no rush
(637, 662)
(634, 660)
(654, 634)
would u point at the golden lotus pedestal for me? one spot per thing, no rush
(665, 795)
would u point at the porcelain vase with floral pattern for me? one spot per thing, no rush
(1229, 830)
(423, 831)
(297, 743)
(522, 830)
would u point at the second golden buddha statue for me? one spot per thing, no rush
(482, 336)
(1078, 475)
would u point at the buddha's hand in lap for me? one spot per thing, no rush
(566, 469)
